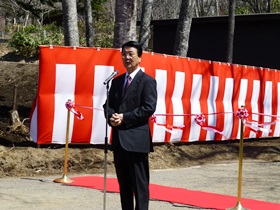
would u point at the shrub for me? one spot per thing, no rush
(26, 41)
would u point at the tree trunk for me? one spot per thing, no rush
(145, 30)
(125, 22)
(89, 23)
(184, 28)
(231, 25)
(268, 6)
(217, 8)
(70, 21)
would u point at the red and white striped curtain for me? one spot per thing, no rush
(186, 88)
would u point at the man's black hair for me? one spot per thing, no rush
(134, 44)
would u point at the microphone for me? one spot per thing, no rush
(110, 77)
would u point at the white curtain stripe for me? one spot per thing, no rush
(159, 131)
(64, 90)
(99, 98)
(178, 105)
(195, 106)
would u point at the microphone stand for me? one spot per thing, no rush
(106, 82)
(106, 145)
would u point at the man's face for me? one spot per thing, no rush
(130, 59)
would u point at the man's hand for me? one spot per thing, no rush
(116, 119)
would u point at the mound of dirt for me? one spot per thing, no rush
(19, 156)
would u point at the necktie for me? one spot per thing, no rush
(128, 81)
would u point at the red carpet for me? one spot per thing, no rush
(178, 195)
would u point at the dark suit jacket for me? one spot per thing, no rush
(137, 105)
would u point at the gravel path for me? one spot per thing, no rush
(260, 182)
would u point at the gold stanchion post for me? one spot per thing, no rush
(238, 205)
(64, 178)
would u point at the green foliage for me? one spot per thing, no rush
(244, 7)
(242, 10)
(97, 5)
(26, 41)
(275, 5)
(82, 32)
(104, 33)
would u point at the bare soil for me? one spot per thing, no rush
(20, 156)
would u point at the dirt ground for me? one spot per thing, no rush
(19, 156)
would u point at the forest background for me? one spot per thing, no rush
(26, 24)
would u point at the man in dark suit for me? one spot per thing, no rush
(132, 100)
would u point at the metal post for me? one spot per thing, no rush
(238, 205)
(64, 178)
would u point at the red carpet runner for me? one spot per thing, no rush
(178, 195)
